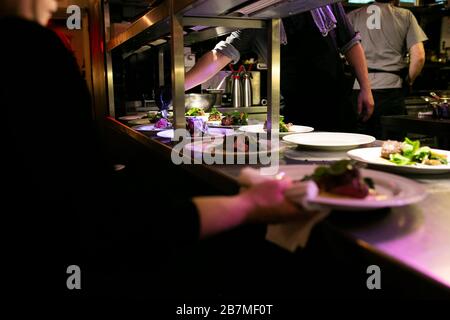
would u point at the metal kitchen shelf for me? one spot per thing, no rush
(156, 23)
(170, 19)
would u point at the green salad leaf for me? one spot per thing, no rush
(237, 118)
(335, 169)
(214, 112)
(283, 126)
(440, 157)
(413, 153)
(195, 112)
(400, 160)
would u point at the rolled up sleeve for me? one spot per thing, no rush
(346, 36)
(227, 49)
(238, 42)
(415, 33)
(355, 40)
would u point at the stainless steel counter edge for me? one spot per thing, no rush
(207, 173)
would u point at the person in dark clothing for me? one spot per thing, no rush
(58, 188)
(314, 84)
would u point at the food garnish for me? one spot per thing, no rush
(284, 127)
(215, 115)
(236, 118)
(195, 112)
(163, 124)
(342, 178)
(154, 116)
(409, 152)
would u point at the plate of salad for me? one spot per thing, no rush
(234, 119)
(197, 113)
(408, 156)
(215, 117)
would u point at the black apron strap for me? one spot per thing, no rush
(402, 73)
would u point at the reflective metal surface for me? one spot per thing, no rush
(273, 82)
(177, 51)
(224, 22)
(203, 101)
(156, 23)
(97, 42)
(417, 235)
(151, 19)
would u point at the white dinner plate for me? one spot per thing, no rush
(314, 155)
(147, 127)
(214, 123)
(372, 156)
(215, 132)
(329, 140)
(259, 128)
(391, 190)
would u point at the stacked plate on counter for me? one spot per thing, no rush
(329, 141)
(259, 128)
(323, 146)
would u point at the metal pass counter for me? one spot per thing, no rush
(415, 237)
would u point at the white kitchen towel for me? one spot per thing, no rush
(293, 234)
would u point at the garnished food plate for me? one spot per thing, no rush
(372, 156)
(219, 147)
(388, 190)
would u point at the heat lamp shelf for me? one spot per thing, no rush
(156, 22)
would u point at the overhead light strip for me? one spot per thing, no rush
(258, 6)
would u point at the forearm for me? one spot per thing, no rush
(218, 214)
(417, 61)
(415, 68)
(355, 56)
(206, 67)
